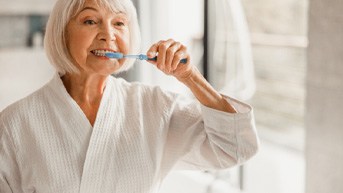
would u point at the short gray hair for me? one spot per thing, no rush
(55, 41)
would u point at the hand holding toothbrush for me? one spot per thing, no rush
(172, 58)
(169, 56)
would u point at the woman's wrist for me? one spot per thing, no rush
(204, 92)
(188, 78)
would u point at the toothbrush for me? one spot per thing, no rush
(118, 55)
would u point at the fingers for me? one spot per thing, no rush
(163, 48)
(152, 52)
(169, 54)
(178, 56)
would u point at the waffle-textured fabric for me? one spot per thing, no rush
(47, 144)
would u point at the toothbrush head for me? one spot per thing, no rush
(116, 55)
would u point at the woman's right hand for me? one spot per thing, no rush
(169, 54)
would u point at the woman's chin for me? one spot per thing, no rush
(108, 70)
(106, 67)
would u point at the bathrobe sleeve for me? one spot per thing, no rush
(9, 172)
(203, 138)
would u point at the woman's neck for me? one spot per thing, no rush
(87, 91)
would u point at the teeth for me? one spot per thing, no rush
(101, 52)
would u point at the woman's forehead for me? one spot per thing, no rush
(110, 5)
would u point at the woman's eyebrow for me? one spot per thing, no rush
(89, 8)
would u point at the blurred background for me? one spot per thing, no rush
(282, 57)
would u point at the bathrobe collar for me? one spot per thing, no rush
(107, 123)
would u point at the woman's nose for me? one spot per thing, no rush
(107, 33)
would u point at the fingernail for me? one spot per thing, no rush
(151, 54)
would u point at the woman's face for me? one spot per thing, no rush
(93, 31)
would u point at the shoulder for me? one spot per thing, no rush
(20, 110)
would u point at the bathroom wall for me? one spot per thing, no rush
(23, 64)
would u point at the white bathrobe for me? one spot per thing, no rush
(47, 144)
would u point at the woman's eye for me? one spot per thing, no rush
(89, 22)
(119, 23)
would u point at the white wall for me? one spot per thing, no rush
(22, 71)
(25, 6)
(324, 112)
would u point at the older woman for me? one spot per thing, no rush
(86, 131)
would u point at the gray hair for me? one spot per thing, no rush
(55, 41)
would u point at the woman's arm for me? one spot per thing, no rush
(169, 54)
(205, 93)
(202, 136)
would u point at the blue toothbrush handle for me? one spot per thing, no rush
(145, 57)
